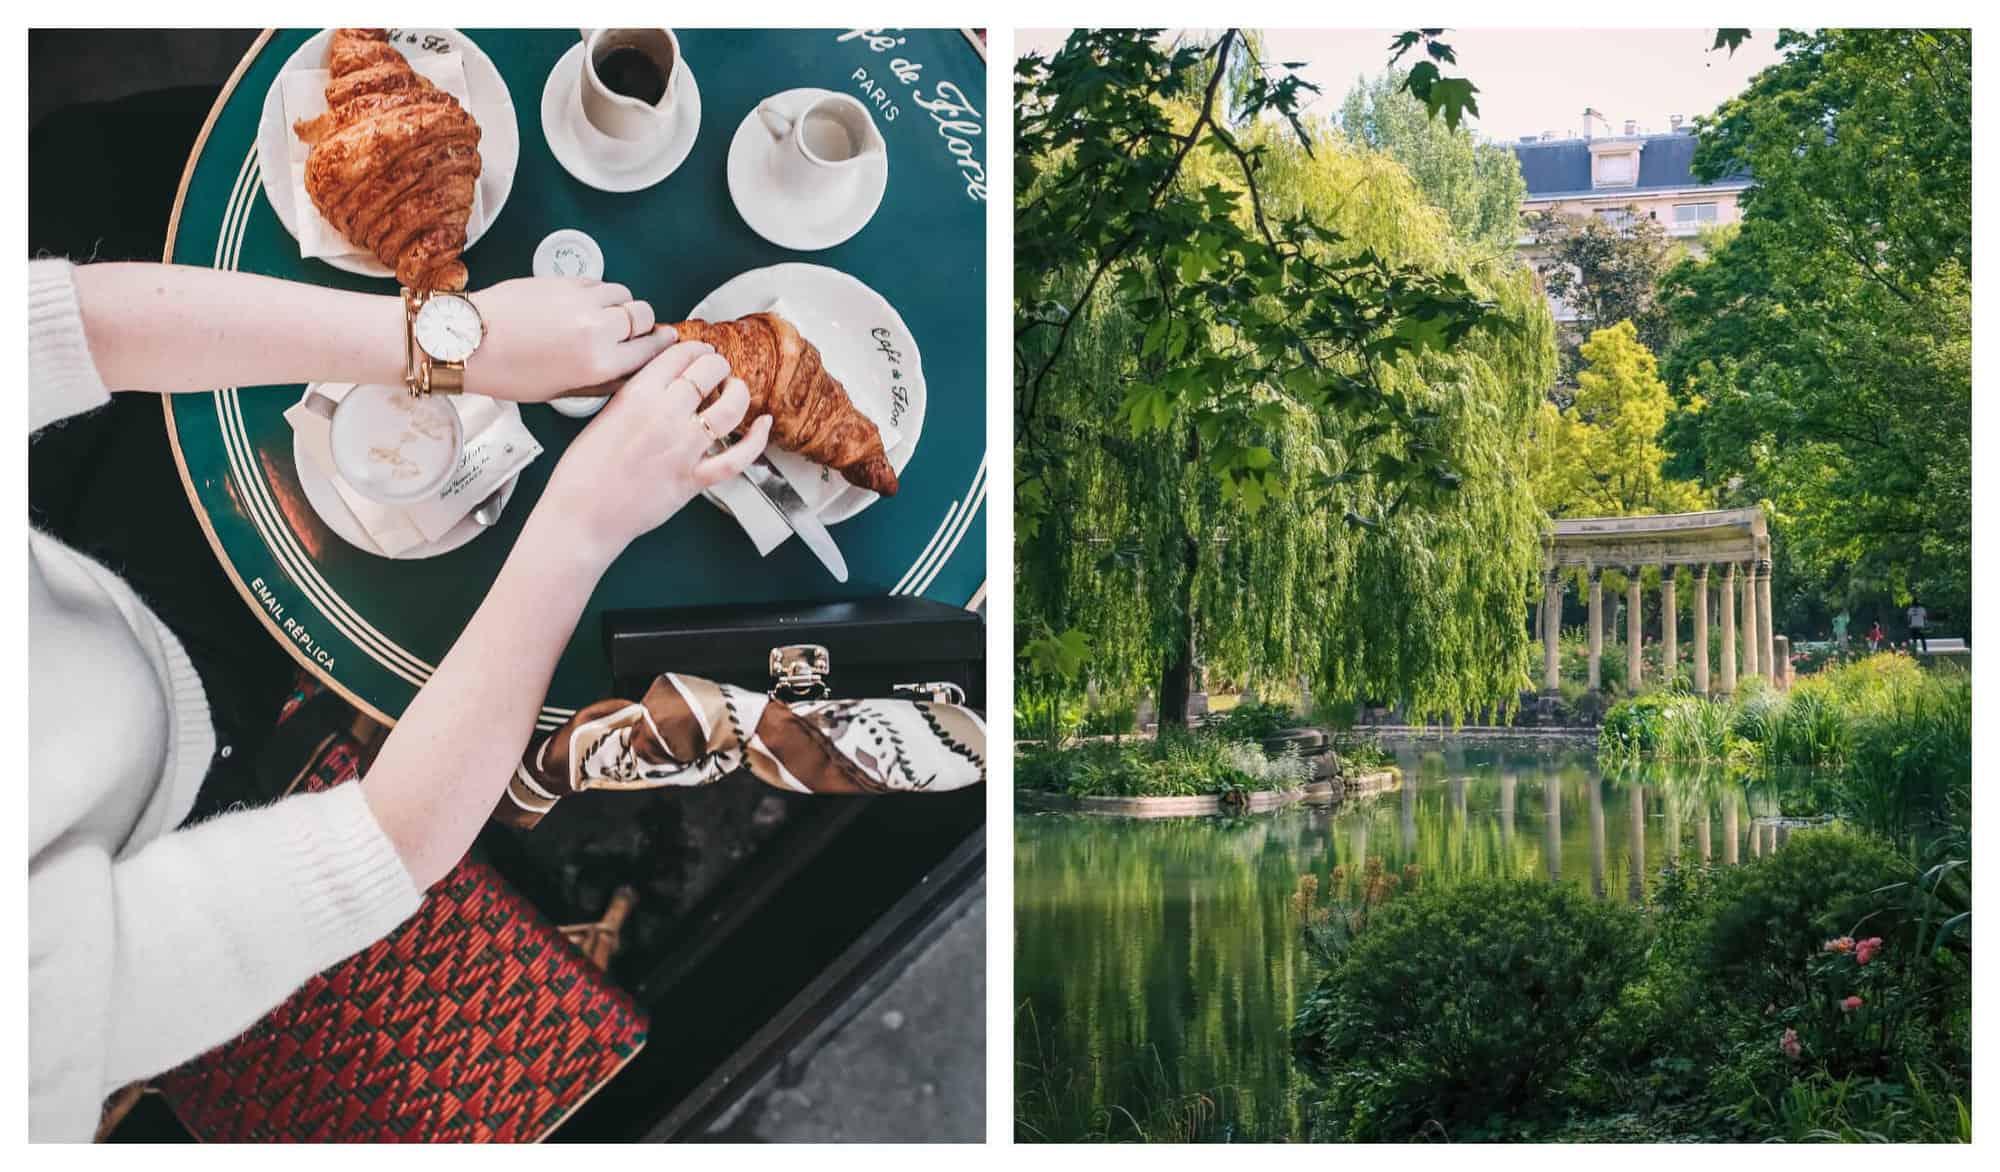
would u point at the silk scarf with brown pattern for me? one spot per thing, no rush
(690, 731)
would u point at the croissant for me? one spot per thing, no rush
(394, 161)
(809, 409)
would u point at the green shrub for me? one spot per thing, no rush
(1636, 727)
(1254, 721)
(1460, 1006)
(1773, 914)
(1113, 720)
(1574, 655)
(1361, 755)
(1048, 716)
(1175, 764)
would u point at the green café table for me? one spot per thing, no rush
(374, 629)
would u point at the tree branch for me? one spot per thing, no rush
(1031, 402)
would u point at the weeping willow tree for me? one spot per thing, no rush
(1331, 561)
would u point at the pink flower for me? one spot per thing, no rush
(1850, 1004)
(1866, 950)
(1842, 944)
(1790, 1044)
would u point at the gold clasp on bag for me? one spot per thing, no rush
(941, 692)
(800, 671)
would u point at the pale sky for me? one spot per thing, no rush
(1531, 80)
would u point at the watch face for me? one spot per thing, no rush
(448, 328)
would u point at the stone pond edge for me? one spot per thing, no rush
(1258, 801)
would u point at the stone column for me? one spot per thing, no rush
(1552, 816)
(1750, 644)
(1596, 625)
(1633, 666)
(1551, 628)
(1732, 834)
(1596, 836)
(1767, 651)
(1670, 803)
(1701, 630)
(1781, 660)
(1670, 621)
(1728, 641)
(1635, 880)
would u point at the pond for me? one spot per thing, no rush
(1158, 963)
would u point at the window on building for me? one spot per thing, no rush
(1619, 170)
(1694, 213)
(1616, 217)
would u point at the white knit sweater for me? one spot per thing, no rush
(149, 945)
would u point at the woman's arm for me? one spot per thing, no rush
(642, 458)
(171, 328)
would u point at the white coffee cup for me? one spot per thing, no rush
(618, 130)
(822, 147)
(390, 446)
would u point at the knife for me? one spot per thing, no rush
(773, 487)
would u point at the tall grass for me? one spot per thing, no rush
(1909, 770)
(1059, 1103)
(1894, 739)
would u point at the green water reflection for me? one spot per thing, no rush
(1157, 959)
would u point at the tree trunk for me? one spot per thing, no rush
(1176, 684)
(1177, 681)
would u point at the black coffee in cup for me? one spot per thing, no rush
(632, 73)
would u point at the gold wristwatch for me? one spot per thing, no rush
(443, 330)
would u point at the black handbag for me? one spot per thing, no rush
(881, 647)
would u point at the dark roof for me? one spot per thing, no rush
(1549, 167)
(1563, 167)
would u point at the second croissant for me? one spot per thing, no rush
(810, 411)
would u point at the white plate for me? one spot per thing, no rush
(559, 105)
(492, 108)
(790, 219)
(856, 331)
(325, 500)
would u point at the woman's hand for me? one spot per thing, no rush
(646, 454)
(546, 336)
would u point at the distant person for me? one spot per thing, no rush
(1840, 622)
(1875, 637)
(1919, 618)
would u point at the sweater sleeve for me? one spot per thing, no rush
(215, 925)
(62, 377)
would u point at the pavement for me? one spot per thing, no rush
(907, 1065)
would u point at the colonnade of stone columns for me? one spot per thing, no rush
(1760, 648)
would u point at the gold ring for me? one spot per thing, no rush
(705, 427)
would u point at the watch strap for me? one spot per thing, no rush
(416, 363)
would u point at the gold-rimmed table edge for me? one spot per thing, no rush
(214, 539)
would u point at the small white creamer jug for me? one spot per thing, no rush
(820, 149)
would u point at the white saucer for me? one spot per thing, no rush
(558, 99)
(786, 219)
(325, 501)
(492, 107)
(855, 329)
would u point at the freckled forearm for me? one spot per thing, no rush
(173, 328)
